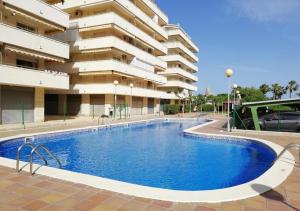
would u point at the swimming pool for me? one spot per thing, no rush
(156, 154)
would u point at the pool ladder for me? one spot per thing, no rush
(290, 146)
(34, 150)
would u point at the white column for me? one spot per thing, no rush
(85, 105)
(39, 105)
(109, 103)
(145, 105)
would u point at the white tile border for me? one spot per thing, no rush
(270, 179)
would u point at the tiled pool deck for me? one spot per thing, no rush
(23, 192)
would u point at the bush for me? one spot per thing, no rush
(207, 108)
(171, 109)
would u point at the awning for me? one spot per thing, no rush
(94, 28)
(97, 50)
(105, 73)
(33, 54)
(33, 18)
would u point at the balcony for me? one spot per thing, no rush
(179, 45)
(180, 72)
(180, 59)
(155, 9)
(31, 41)
(110, 88)
(176, 31)
(113, 18)
(180, 84)
(18, 76)
(123, 4)
(104, 66)
(41, 10)
(114, 42)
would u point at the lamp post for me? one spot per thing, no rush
(131, 86)
(228, 73)
(235, 86)
(115, 97)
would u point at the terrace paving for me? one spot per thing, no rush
(24, 192)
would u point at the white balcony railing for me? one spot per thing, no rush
(180, 72)
(42, 10)
(177, 31)
(114, 42)
(182, 60)
(112, 65)
(109, 88)
(125, 4)
(31, 41)
(113, 18)
(179, 45)
(180, 84)
(18, 76)
(153, 6)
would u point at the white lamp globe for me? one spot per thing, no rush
(235, 86)
(229, 72)
(131, 85)
(116, 82)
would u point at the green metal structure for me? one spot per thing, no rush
(254, 106)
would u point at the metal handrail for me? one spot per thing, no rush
(289, 146)
(49, 153)
(19, 151)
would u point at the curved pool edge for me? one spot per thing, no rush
(269, 180)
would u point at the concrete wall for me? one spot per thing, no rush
(39, 105)
(13, 101)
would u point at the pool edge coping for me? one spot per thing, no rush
(282, 169)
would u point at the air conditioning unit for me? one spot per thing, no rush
(78, 13)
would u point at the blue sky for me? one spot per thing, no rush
(259, 39)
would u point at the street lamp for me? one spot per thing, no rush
(131, 86)
(235, 86)
(115, 97)
(228, 73)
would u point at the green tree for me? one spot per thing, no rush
(265, 88)
(252, 94)
(292, 87)
(278, 91)
(298, 94)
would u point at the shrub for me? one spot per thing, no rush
(171, 109)
(207, 108)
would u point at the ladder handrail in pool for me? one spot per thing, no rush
(34, 150)
(290, 146)
(27, 144)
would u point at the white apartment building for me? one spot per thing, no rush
(125, 59)
(181, 61)
(119, 55)
(25, 52)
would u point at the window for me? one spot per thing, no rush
(27, 64)
(25, 27)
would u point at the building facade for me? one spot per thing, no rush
(125, 58)
(121, 52)
(25, 51)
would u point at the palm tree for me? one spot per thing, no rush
(278, 91)
(293, 86)
(265, 88)
(298, 94)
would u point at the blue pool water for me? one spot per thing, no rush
(156, 154)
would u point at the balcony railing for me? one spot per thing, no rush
(180, 84)
(180, 59)
(12, 75)
(117, 43)
(126, 5)
(42, 10)
(32, 41)
(113, 18)
(179, 45)
(180, 72)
